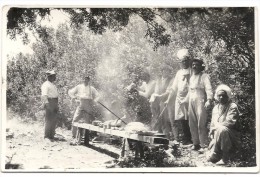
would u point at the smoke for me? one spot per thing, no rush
(111, 74)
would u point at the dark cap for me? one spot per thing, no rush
(198, 60)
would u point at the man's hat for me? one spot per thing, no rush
(50, 72)
(182, 54)
(87, 77)
(200, 61)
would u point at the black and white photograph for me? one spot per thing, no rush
(129, 89)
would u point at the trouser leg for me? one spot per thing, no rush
(166, 124)
(155, 109)
(202, 125)
(186, 130)
(54, 120)
(223, 141)
(47, 129)
(193, 123)
(48, 123)
(175, 131)
(77, 116)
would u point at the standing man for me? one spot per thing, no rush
(162, 124)
(200, 98)
(85, 95)
(50, 101)
(179, 89)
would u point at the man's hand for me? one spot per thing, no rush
(208, 104)
(154, 97)
(166, 102)
(46, 105)
(211, 133)
(42, 106)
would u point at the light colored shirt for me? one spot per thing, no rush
(83, 92)
(49, 90)
(181, 83)
(225, 116)
(147, 89)
(201, 81)
(161, 85)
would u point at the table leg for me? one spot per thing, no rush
(86, 137)
(139, 150)
(123, 148)
(79, 135)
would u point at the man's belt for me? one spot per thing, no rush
(52, 98)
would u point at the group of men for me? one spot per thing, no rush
(183, 103)
(179, 102)
(84, 95)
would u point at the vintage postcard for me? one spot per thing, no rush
(91, 88)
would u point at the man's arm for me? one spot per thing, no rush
(231, 117)
(171, 91)
(72, 92)
(208, 90)
(149, 90)
(96, 95)
(44, 94)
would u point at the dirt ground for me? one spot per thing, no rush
(26, 147)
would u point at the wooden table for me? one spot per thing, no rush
(84, 130)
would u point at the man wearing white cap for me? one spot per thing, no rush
(50, 101)
(179, 89)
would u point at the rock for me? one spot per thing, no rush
(174, 143)
(9, 135)
(21, 135)
(111, 165)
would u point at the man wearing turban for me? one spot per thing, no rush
(224, 129)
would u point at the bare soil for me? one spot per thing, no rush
(27, 149)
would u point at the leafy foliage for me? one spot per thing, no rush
(155, 157)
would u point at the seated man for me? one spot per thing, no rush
(224, 127)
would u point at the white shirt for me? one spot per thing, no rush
(180, 83)
(49, 89)
(83, 92)
(201, 81)
(147, 89)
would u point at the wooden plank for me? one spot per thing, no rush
(124, 134)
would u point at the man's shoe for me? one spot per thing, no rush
(195, 147)
(214, 158)
(187, 142)
(202, 150)
(226, 157)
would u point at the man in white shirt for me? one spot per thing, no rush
(162, 123)
(178, 91)
(199, 97)
(85, 95)
(50, 101)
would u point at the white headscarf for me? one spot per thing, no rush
(225, 88)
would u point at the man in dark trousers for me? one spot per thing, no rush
(50, 103)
